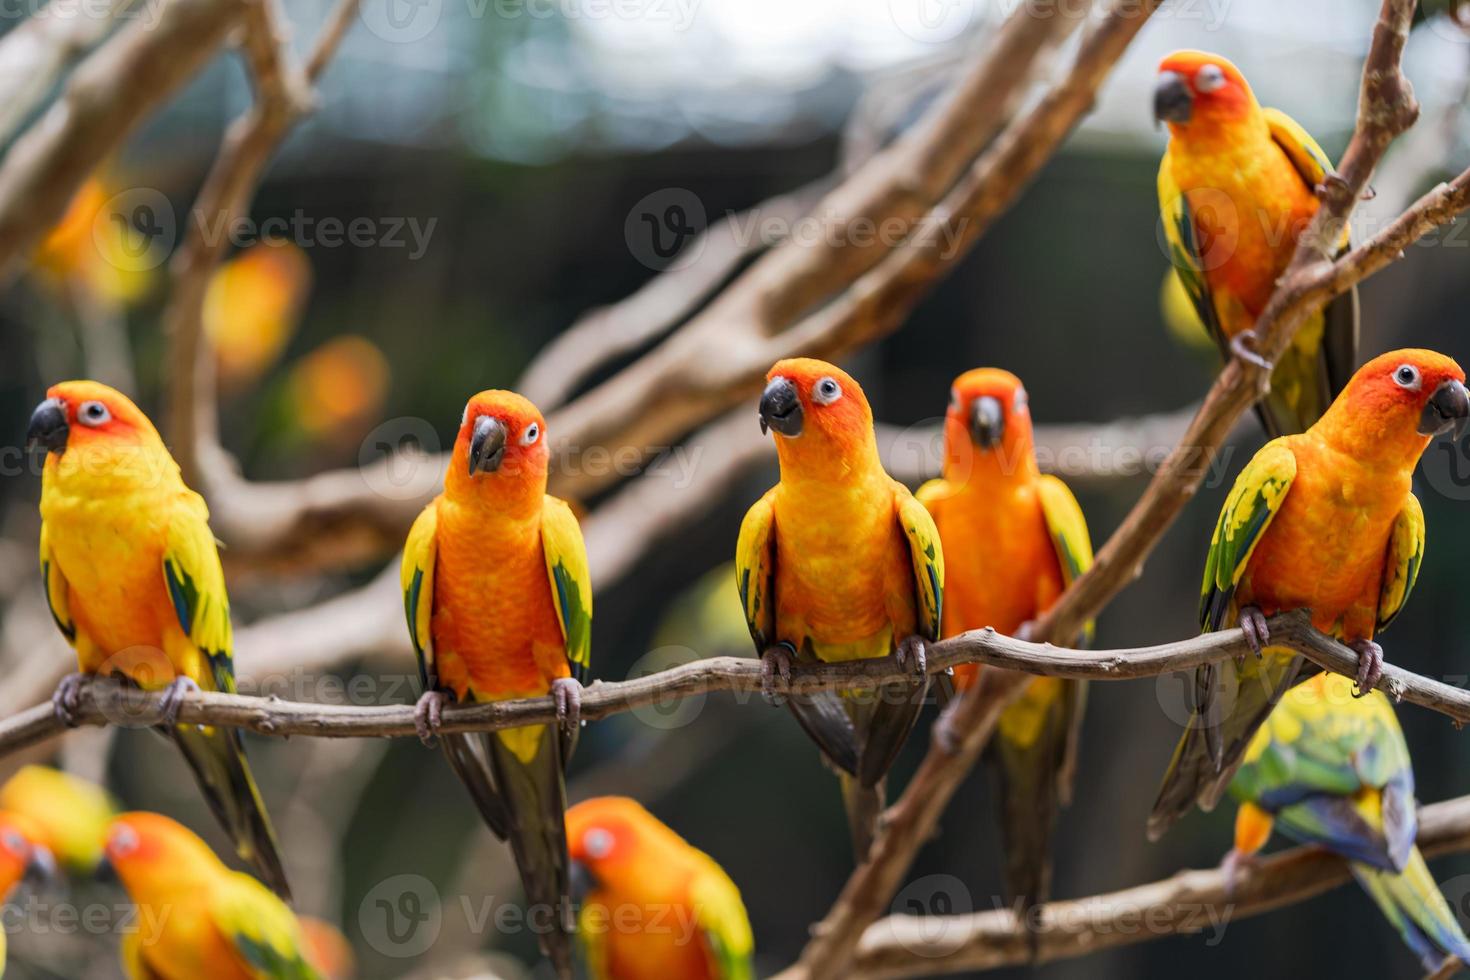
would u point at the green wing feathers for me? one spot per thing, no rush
(262, 931)
(1252, 503)
(416, 576)
(571, 582)
(1178, 227)
(755, 570)
(1401, 563)
(1068, 529)
(724, 925)
(196, 585)
(57, 599)
(928, 559)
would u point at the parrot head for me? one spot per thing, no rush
(988, 421)
(1396, 403)
(71, 814)
(1196, 87)
(23, 856)
(501, 450)
(608, 839)
(99, 432)
(821, 418)
(153, 855)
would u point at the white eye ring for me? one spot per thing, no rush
(124, 840)
(532, 433)
(1406, 376)
(598, 843)
(14, 843)
(93, 414)
(1210, 78)
(826, 391)
(1020, 401)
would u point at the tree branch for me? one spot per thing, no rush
(35, 52)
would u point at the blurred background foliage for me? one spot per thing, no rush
(519, 144)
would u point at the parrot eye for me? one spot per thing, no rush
(124, 841)
(1020, 401)
(826, 391)
(94, 413)
(14, 843)
(1406, 376)
(598, 842)
(1210, 78)
(532, 433)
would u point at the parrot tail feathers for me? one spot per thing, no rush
(864, 806)
(218, 761)
(467, 755)
(824, 719)
(1412, 902)
(528, 769)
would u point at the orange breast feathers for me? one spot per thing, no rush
(495, 627)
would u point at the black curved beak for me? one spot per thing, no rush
(1448, 408)
(105, 873)
(987, 422)
(583, 883)
(48, 426)
(1173, 101)
(41, 871)
(781, 408)
(487, 445)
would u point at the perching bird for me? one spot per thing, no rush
(202, 919)
(134, 582)
(1325, 521)
(1330, 768)
(1015, 539)
(1237, 187)
(70, 814)
(22, 855)
(499, 604)
(654, 907)
(839, 562)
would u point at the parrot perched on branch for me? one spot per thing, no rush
(22, 856)
(687, 919)
(1237, 187)
(499, 605)
(1331, 768)
(1325, 521)
(70, 814)
(197, 918)
(1014, 540)
(134, 582)
(839, 562)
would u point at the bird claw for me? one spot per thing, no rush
(428, 715)
(912, 655)
(1370, 666)
(1235, 862)
(1331, 181)
(1242, 345)
(67, 700)
(173, 698)
(1257, 633)
(777, 659)
(567, 693)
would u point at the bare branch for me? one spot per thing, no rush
(34, 54)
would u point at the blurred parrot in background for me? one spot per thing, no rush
(499, 604)
(70, 814)
(688, 921)
(134, 582)
(197, 918)
(1237, 187)
(839, 562)
(1014, 539)
(326, 949)
(22, 855)
(1332, 769)
(1325, 521)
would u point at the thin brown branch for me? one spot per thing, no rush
(1189, 902)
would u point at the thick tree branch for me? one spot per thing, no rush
(35, 52)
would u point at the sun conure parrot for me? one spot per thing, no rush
(22, 855)
(499, 605)
(70, 814)
(326, 949)
(1325, 521)
(839, 562)
(1331, 768)
(1237, 187)
(204, 920)
(1015, 539)
(654, 907)
(134, 581)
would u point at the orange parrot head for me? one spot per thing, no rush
(22, 855)
(153, 855)
(988, 424)
(1198, 90)
(821, 418)
(1396, 403)
(608, 839)
(95, 435)
(501, 451)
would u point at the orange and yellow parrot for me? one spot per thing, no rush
(499, 605)
(134, 581)
(1332, 769)
(839, 562)
(1237, 187)
(1325, 521)
(1015, 539)
(70, 814)
(200, 918)
(326, 949)
(22, 855)
(655, 908)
